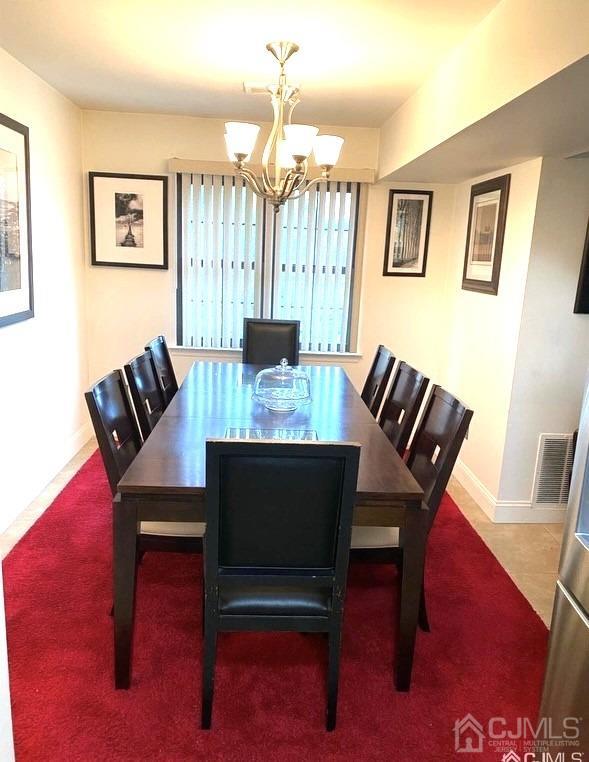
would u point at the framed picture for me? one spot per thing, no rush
(484, 236)
(129, 220)
(582, 297)
(407, 233)
(16, 251)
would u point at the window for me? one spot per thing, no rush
(237, 259)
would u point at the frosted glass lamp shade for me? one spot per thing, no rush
(284, 155)
(240, 138)
(326, 149)
(299, 138)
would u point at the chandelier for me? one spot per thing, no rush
(286, 153)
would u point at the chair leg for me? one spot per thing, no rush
(334, 647)
(208, 674)
(423, 619)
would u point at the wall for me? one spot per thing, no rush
(126, 307)
(517, 46)
(483, 330)
(553, 347)
(405, 313)
(43, 360)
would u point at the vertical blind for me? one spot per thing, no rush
(238, 259)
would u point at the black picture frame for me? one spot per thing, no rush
(23, 222)
(416, 262)
(500, 187)
(99, 252)
(582, 295)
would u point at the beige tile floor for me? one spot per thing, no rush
(528, 552)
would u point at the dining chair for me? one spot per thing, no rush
(119, 441)
(401, 407)
(266, 342)
(164, 369)
(279, 519)
(145, 391)
(432, 455)
(377, 379)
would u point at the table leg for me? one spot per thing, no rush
(414, 541)
(124, 558)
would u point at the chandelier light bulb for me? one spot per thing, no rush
(326, 149)
(240, 139)
(299, 138)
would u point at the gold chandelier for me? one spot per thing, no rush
(288, 147)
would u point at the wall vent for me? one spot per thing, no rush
(553, 471)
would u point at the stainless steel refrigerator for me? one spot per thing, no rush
(566, 682)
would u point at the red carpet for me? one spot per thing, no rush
(485, 655)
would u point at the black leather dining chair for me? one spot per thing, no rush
(432, 455)
(162, 362)
(145, 391)
(377, 379)
(401, 407)
(266, 342)
(279, 519)
(119, 442)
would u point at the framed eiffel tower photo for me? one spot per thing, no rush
(129, 220)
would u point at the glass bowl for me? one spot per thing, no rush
(282, 388)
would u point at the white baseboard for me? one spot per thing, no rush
(503, 511)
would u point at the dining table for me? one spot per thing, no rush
(166, 480)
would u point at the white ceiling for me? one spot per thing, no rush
(358, 61)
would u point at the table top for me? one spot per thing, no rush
(217, 396)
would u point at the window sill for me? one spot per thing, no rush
(324, 358)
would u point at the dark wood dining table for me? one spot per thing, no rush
(166, 481)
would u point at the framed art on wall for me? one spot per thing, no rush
(16, 251)
(582, 297)
(484, 236)
(129, 220)
(407, 235)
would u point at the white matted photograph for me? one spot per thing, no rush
(407, 232)
(128, 220)
(484, 239)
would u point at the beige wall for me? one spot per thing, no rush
(127, 306)
(517, 46)
(43, 361)
(553, 348)
(483, 329)
(44, 369)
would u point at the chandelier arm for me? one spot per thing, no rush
(277, 105)
(292, 181)
(253, 181)
(309, 185)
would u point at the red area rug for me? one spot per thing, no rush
(484, 656)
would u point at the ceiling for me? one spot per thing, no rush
(551, 119)
(358, 61)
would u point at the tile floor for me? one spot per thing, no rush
(528, 552)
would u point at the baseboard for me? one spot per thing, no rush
(503, 511)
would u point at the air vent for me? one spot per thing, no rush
(553, 471)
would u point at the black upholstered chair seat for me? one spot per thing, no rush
(274, 601)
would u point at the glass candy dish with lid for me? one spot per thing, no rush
(282, 388)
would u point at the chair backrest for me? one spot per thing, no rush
(279, 509)
(164, 369)
(266, 342)
(378, 378)
(114, 425)
(145, 391)
(436, 444)
(402, 404)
